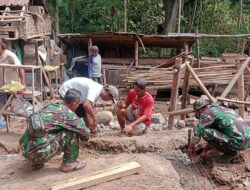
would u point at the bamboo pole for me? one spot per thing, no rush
(201, 85)
(174, 92)
(235, 78)
(240, 90)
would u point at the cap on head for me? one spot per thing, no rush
(72, 95)
(200, 103)
(94, 48)
(113, 91)
(140, 82)
(2, 44)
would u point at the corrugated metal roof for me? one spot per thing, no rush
(13, 2)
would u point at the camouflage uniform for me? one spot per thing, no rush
(62, 132)
(223, 128)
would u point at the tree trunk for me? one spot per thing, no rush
(170, 7)
(192, 20)
(57, 23)
(241, 13)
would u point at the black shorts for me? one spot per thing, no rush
(80, 111)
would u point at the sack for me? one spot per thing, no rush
(35, 125)
(21, 106)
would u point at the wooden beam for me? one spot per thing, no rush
(234, 101)
(98, 177)
(235, 78)
(181, 112)
(240, 91)
(201, 85)
(136, 53)
(174, 91)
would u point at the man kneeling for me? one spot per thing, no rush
(55, 129)
(221, 128)
(137, 110)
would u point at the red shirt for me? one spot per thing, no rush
(140, 106)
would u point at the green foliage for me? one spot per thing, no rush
(148, 17)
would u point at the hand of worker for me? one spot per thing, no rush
(128, 128)
(119, 104)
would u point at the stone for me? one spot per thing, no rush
(246, 184)
(104, 117)
(247, 167)
(221, 175)
(191, 122)
(181, 124)
(157, 118)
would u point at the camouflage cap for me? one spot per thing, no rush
(200, 103)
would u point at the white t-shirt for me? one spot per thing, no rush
(89, 89)
(97, 66)
(8, 57)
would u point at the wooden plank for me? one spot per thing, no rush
(235, 78)
(98, 177)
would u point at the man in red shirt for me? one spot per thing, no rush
(137, 110)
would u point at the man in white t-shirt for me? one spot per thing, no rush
(90, 92)
(95, 65)
(8, 57)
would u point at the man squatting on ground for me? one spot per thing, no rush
(90, 92)
(221, 128)
(55, 129)
(8, 57)
(137, 110)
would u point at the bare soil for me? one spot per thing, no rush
(164, 166)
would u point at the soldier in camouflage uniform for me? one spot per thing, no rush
(222, 128)
(62, 132)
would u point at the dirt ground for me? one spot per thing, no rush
(164, 165)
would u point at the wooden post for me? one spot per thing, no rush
(185, 89)
(174, 92)
(201, 85)
(240, 91)
(33, 89)
(41, 83)
(89, 46)
(198, 53)
(189, 137)
(136, 53)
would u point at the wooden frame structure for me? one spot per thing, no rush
(34, 93)
(242, 64)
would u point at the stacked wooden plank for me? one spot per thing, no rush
(161, 78)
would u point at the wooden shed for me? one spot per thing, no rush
(24, 19)
(120, 51)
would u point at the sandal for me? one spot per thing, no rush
(73, 166)
(38, 166)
